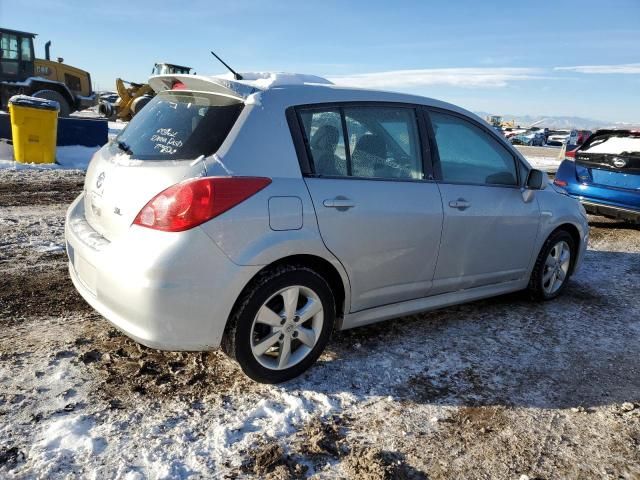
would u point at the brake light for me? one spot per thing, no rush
(570, 154)
(559, 183)
(188, 204)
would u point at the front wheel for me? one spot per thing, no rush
(281, 324)
(553, 266)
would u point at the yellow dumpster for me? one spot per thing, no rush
(34, 128)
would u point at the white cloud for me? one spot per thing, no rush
(625, 68)
(459, 77)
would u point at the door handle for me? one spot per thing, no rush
(460, 204)
(341, 203)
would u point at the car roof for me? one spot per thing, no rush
(290, 89)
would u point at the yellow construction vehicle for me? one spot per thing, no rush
(133, 96)
(22, 73)
(496, 121)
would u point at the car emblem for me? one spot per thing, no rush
(100, 180)
(619, 162)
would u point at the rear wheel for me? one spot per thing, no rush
(65, 108)
(553, 266)
(281, 325)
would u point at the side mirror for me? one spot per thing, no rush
(535, 179)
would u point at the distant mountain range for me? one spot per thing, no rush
(560, 122)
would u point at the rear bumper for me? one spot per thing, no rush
(606, 210)
(171, 291)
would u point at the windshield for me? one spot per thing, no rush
(179, 125)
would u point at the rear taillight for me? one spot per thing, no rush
(559, 183)
(570, 154)
(192, 202)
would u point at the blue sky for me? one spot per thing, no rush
(578, 58)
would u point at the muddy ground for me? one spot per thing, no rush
(502, 388)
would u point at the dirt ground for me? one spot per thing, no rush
(501, 388)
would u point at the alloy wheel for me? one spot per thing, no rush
(556, 267)
(287, 327)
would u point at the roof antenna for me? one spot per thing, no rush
(236, 75)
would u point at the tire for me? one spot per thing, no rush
(138, 104)
(550, 274)
(65, 108)
(246, 336)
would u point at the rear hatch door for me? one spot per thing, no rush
(164, 144)
(610, 159)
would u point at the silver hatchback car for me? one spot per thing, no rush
(259, 215)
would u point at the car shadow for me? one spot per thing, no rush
(579, 350)
(605, 223)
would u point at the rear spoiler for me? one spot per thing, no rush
(220, 86)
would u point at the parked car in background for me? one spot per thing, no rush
(604, 174)
(520, 139)
(577, 138)
(557, 138)
(533, 138)
(232, 213)
(538, 139)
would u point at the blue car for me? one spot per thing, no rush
(604, 174)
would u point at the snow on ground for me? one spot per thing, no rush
(494, 389)
(547, 159)
(67, 157)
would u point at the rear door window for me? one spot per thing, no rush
(323, 129)
(384, 142)
(364, 141)
(180, 125)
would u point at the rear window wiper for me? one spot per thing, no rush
(124, 147)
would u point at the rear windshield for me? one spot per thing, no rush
(179, 125)
(613, 144)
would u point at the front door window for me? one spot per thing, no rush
(469, 155)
